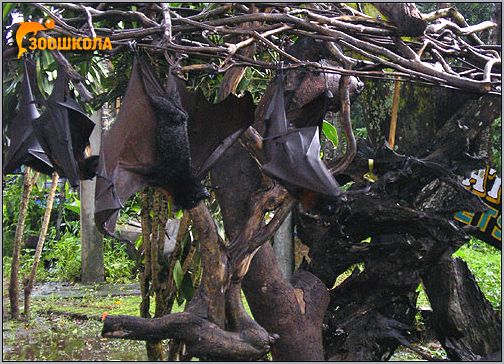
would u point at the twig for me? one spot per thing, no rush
(58, 20)
(346, 124)
(89, 21)
(95, 13)
(166, 24)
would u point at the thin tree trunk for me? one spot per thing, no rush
(30, 281)
(155, 349)
(465, 322)
(14, 279)
(157, 275)
(61, 208)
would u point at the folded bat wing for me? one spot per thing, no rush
(213, 128)
(293, 156)
(296, 162)
(127, 146)
(24, 147)
(63, 130)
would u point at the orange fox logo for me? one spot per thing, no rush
(30, 27)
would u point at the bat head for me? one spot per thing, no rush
(319, 204)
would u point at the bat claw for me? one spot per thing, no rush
(273, 338)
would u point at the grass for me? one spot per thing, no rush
(61, 329)
(69, 329)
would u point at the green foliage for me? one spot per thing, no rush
(12, 194)
(65, 255)
(473, 12)
(25, 265)
(118, 266)
(178, 274)
(6, 10)
(484, 261)
(131, 209)
(330, 132)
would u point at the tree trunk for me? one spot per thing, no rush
(284, 247)
(93, 269)
(496, 33)
(294, 310)
(30, 281)
(28, 183)
(422, 112)
(61, 210)
(465, 322)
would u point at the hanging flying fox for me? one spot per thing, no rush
(165, 137)
(63, 131)
(293, 158)
(24, 148)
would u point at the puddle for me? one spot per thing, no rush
(66, 290)
(55, 338)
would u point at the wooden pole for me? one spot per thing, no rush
(30, 280)
(14, 278)
(93, 269)
(393, 119)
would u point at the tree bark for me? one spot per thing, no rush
(293, 310)
(30, 281)
(284, 247)
(422, 112)
(405, 16)
(28, 183)
(465, 322)
(61, 210)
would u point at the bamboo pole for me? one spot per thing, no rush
(30, 281)
(23, 208)
(393, 118)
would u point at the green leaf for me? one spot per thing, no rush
(73, 206)
(42, 82)
(46, 59)
(6, 10)
(187, 290)
(346, 186)
(178, 274)
(138, 242)
(40, 184)
(330, 132)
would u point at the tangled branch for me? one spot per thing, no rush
(448, 52)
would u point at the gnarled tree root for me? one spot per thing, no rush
(203, 338)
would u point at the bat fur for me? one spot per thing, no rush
(173, 167)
